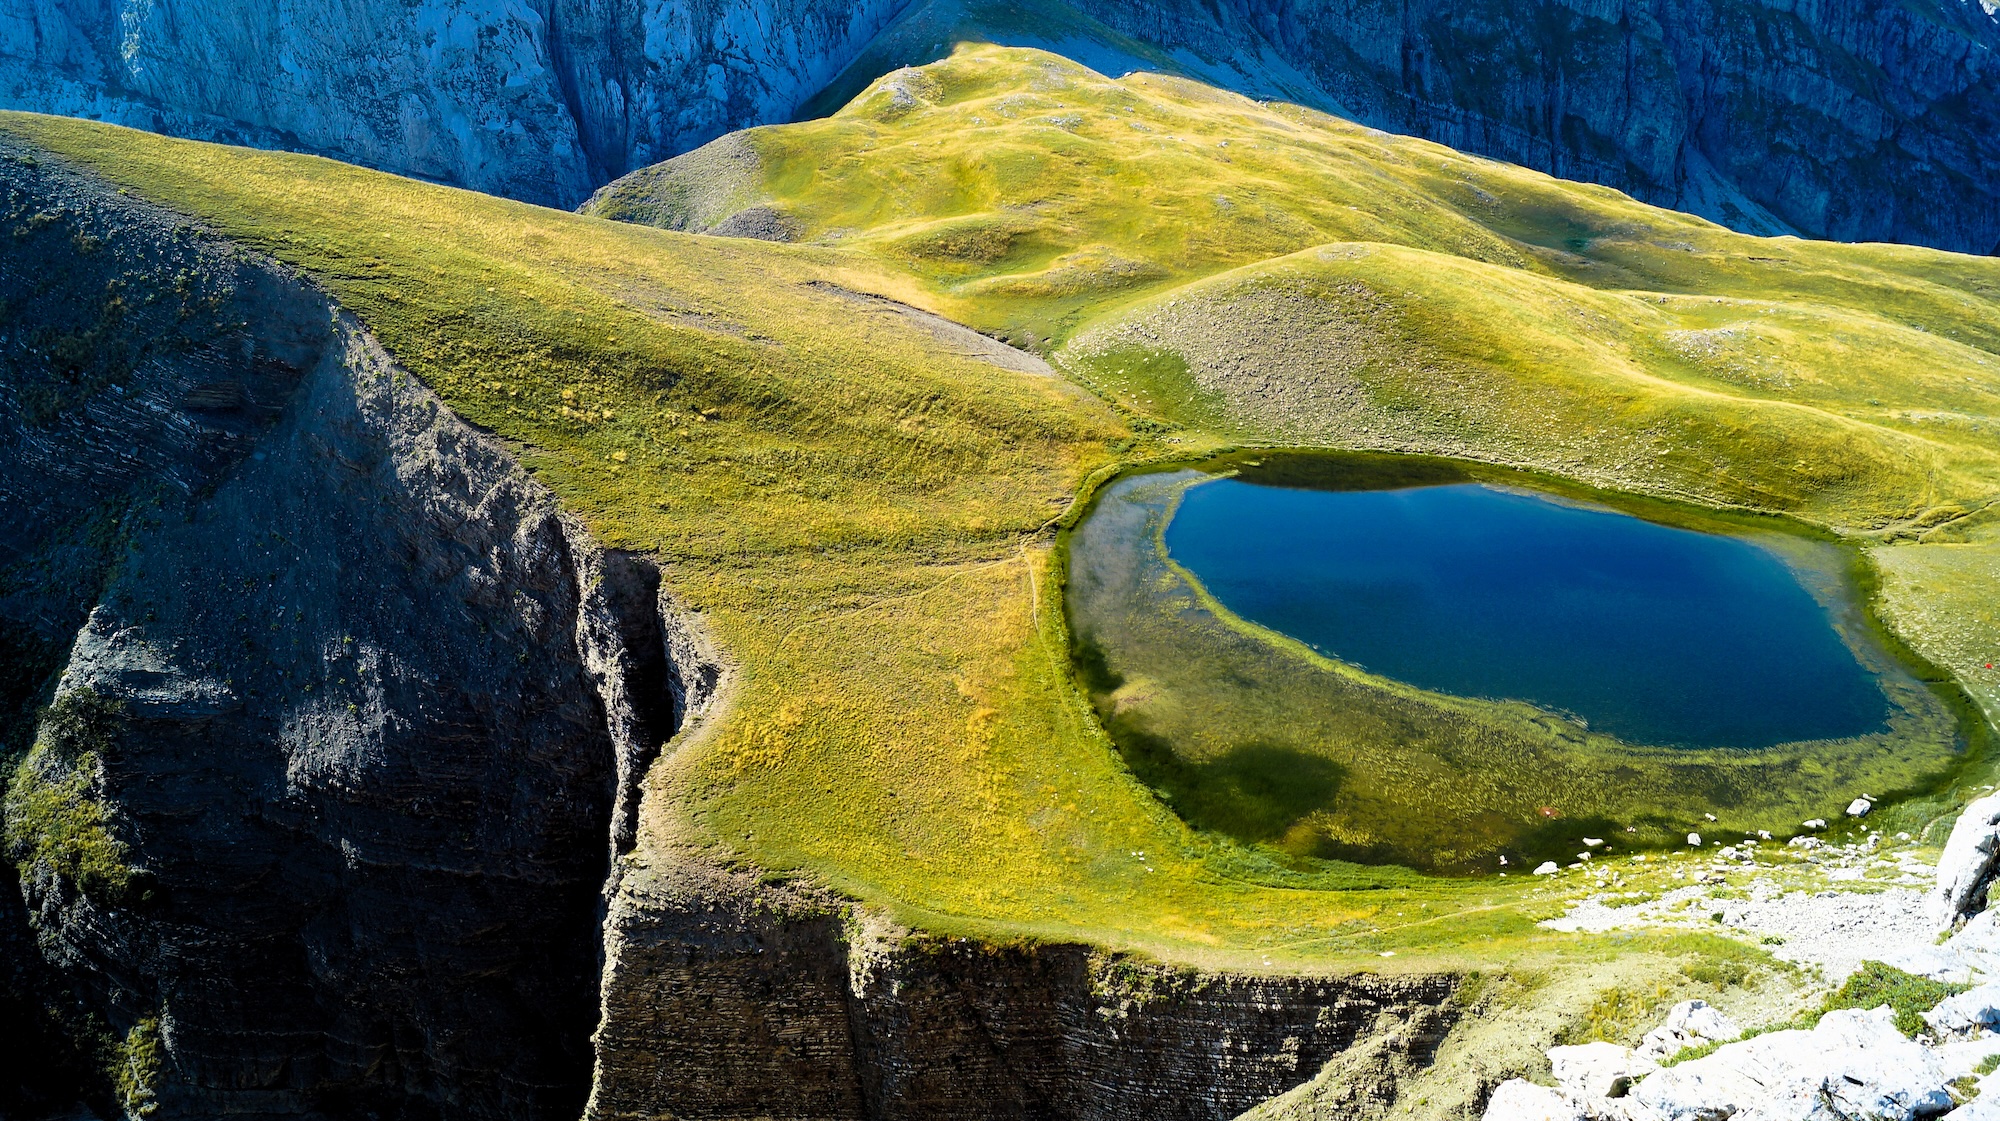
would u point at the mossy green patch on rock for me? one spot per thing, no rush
(1876, 985)
(56, 822)
(136, 1069)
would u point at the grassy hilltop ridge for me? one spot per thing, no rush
(865, 519)
(1478, 307)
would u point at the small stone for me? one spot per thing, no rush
(1814, 823)
(1592, 842)
(1859, 807)
(1694, 840)
(1547, 868)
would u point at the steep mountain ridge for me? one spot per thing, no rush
(1876, 122)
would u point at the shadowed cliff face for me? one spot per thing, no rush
(328, 786)
(1851, 121)
(1843, 120)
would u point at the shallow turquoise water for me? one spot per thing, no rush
(1654, 634)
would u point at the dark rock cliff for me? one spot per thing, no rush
(1857, 120)
(320, 817)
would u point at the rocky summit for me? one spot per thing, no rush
(729, 561)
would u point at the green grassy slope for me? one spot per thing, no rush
(1262, 273)
(858, 513)
(861, 515)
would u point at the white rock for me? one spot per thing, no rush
(1967, 863)
(1598, 1070)
(1592, 842)
(1853, 1065)
(1694, 839)
(1981, 1108)
(1519, 1100)
(1814, 823)
(1967, 1014)
(1859, 807)
(1546, 868)
(1689, 1023)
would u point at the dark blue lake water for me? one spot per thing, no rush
(1652, 634)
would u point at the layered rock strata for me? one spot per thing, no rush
(724, 997)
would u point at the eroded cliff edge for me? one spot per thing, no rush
(728, 997)
(345, 728)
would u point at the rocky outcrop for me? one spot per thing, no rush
(724, 997)
(321, 815)
(1849, 121)
(1691, 1023)
(1852, 1064)
(1965, 869)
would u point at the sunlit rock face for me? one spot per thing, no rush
(536, 99)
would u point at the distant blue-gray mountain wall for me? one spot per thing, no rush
(1851, 119)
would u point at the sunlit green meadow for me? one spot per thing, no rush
(868, 523)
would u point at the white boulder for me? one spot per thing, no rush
(1547, 868)
(1520, 1100)
(1859, 807)
(1694, 839)
(1968, 1014)
(1854, 1065)
(1598, 1070)
(1689, 1024)
(1967, 863)
(1981, 1108)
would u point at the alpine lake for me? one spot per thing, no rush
(1402, 660)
